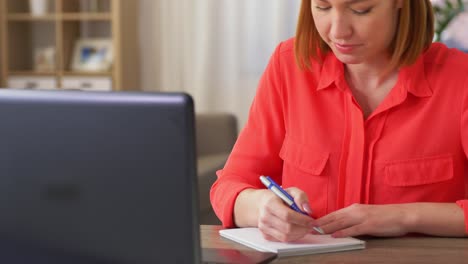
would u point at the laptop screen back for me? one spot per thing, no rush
(105, 174)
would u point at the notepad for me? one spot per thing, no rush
(310, 244)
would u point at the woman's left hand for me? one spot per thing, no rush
(361, 219)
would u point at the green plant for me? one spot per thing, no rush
(444, 13)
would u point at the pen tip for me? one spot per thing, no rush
(319, 230)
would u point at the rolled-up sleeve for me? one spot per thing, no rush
(256, 150)
(464, 138)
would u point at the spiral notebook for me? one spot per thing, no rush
(310, 244)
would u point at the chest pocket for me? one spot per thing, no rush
(306, 168)
(428, 179)
(305, 158)
(419, 172)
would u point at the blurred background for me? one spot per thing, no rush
(215, 50)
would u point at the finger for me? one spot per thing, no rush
(268, 218)
(269, 233)
(355, 230)
(332, 216)
(327, 219)
(272, 233)
(276, 207)
(339, 224)
(288, 221)
(292, 228)
(270, 238)
(288, 215)
(300, 198)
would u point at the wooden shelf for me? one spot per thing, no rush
(83, 73)
(29, 17)
(26, 39)
(63, 73)
(86, 16)
(32, 73)
(66, 17)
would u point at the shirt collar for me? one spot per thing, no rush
(413, 76)
(332, 71)
(414, 79)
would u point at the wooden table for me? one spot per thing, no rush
(378, 250)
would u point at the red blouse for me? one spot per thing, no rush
(305, 129)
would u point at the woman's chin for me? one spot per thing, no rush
(349, 59)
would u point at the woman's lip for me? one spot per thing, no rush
(346, 48)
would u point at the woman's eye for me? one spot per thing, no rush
(322, 8)
(361, 12)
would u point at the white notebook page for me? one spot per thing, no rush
(310, 244)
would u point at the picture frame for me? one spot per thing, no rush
(92, 55)
(44, 59)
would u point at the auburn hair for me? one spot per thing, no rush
(415, 32)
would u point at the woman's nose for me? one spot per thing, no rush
(341, 29)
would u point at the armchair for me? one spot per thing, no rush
(215, 136)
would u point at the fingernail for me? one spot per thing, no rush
(337, 235)
(306, 208)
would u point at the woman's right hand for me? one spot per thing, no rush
(274, 218)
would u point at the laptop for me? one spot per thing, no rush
(101, 177)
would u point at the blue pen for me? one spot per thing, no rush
(288, 199)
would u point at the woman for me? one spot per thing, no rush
(363, 120)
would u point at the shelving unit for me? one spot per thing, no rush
(58, 29)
